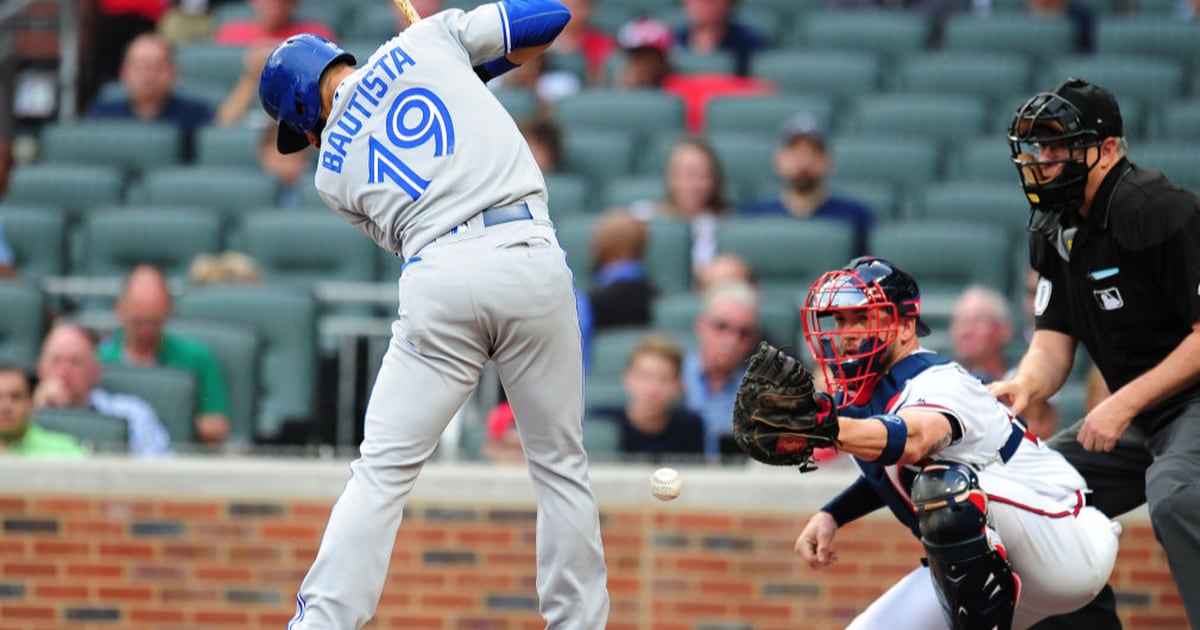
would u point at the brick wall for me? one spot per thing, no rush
(72, 560)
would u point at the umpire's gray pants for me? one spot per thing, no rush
(1162, 471)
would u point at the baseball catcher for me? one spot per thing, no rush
(778, 418)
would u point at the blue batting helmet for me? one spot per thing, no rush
(290, 86)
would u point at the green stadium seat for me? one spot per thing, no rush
(227, 147)
(1177, 120)
(230, 190)
(669, 254)
(946, 256)
(132, 145)
(687, 62)
(285, 321)
(36, 235)
(1150, 35)
(819, 72)
(575, 237)
(746, 157)
(945, 117)
(236, 347)
(1140, 79)
(97, 431)
(784, 251)
(598, 153)
(994, 75)
(765, 114)
(881, 32)
(213, 63)
(1179, 161)
(640, 112)
(1000, 204)
(118, 239)
(568, 194)
(602, 437)
(881, 197)
(306, 247)
(170, 391)
(905, 163)
(675, 313)
(983, 158)
(519, 104)
(73, 187)
(23, 324)
(1040, 39)
(620, 192)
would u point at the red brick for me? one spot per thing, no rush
(723, 588)
(136, 551)
(413, 622)
(30, 613)
(28, 569)
(701, 564)
(12, 548)
(759, 612)
(12, 506)
(473, 536)
(155, 615)
(254, 554)
(61, 591)
(693, 609)
(188, 594)
(199, 510)
(62, 506)
(187, 551)
(223, 618)
(223, 530)
(223, 574)
(618, 585)
(486, 581)
(274, 532)
(82, 570)
(94, 528)
(125, 594)
(446, 601)
(125, 509)
(59, 548)
(314, 511)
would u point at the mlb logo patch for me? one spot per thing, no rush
(1109, 299)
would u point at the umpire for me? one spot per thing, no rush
(1117, 247)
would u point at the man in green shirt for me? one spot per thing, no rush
(19, 436)
(143, 309)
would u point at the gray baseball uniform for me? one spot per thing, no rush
(419, 155)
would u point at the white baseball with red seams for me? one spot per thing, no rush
(666, 484)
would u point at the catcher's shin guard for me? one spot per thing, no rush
(976, 586)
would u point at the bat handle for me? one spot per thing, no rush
(409, 12)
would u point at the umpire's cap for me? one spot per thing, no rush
(290, 86)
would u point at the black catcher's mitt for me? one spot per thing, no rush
(778, 418)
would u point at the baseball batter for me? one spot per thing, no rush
(417, 153)
(999, 513)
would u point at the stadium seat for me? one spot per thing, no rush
(575, 237)
(98, 432)
(285, 321)
(520, 104)
(23, 324)
(675, 313)
(946, 256)
(115, 240)
(766, 114)
(1150, 35)
(611, 349)
(1041, 39)
(881, 197)
(213, 63)
(983, 158)
(991, 74)
(881, 32)
(227, 147)
(307, 247)
(788, 252)
(602, 438)
(73, 187)
(1177, 120)
(619, 192)
(669, 254)
(746, 157)
(640, 112)
(568, 194)
(135, 146)
(945, 117)
(906, 163)
(1140, 79)
(36, 236)
(688, 62)
(170, 391)
(230, 190)
(819, 72)
(236, 347)
(1001, 204)
(597, 153)
(1179, 161)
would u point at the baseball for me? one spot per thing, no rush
(666, 484)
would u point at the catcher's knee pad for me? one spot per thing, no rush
(973, 579)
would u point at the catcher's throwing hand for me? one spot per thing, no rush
(778, 418)
(815, 543)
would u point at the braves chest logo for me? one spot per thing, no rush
(1109, 299)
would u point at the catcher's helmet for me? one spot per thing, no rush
(1071, 118)
(851, 351)
(290, 86)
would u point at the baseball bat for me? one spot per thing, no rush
(409, 12)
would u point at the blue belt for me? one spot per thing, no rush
(506, 214)
(1014, 440)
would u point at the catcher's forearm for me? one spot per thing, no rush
(904, 438)
(856, 501)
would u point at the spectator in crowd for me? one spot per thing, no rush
(274, 21)
(712, 26)
(981, 328)
(226, 267)
(1078, 13)
(68, 375)
(723, 269)
(148, 74)
(502, 442)
(803, 164)
(652, 425)
(8, 260)
(726, 329)
(581, 37)
(19, 435)
(621, 292)
(117, 24)
(236, 108)
(695, 193)
(544, 137)
(291, 171)
(143, 309)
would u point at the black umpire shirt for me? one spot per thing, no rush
(1126, 283)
